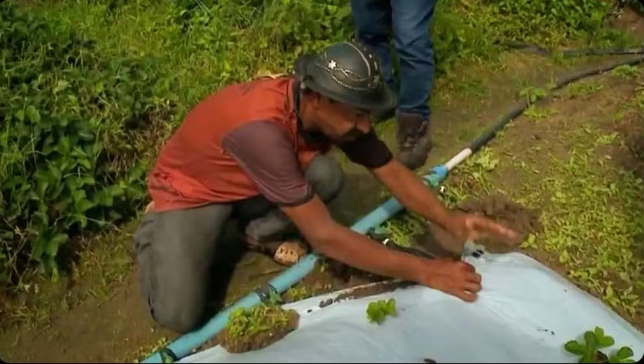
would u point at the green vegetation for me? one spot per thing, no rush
(92, 88)
(145, 352)
(86, 114)
(588, 348)
(298, 293)
(261, 318)
(626, 72)
(377, 311)
(257, 327)
(566, 165)
(77, 127)
(402, 228)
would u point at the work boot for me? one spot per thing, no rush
(413, 139)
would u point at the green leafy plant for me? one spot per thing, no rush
(588, 348)
(74, 138)
(378, 311)
(274, 298)
(552, 21)
(533, 94)
(626, 71)
(260, 318)
(298, 293)
(402, 228)
(536, 113)
(257, 327)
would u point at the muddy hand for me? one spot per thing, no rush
(456, 278)
(474, 227)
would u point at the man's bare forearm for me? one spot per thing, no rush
(338, 242)
(353, 249)
(412, 193)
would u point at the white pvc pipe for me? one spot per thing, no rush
(457, 159)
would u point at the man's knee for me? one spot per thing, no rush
(175, 250)
(326, 176)
(178, 313)
(176, 301)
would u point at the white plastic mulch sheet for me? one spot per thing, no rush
(525, 313)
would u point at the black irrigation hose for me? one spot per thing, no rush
(522, 105)
(531, 48)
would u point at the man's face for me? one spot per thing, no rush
(340, 122)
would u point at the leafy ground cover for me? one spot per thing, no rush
(571, 159)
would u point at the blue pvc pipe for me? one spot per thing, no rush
(188, 342)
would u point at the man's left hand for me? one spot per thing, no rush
(474, 227)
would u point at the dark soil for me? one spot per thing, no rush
(368, 290)
(501, 209)
(261, 338)
(632, 131)
(373, 289)
(496, 207)
(438, 243)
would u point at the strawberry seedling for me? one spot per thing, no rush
(589, 352)
(257, 327)
(378, 311)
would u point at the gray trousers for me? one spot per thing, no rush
(176, 250)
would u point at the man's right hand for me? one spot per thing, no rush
(456, 278)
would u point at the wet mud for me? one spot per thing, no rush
(368, 290)
(441, 244)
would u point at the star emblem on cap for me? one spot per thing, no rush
(332, 64)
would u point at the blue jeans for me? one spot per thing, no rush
(409, 22)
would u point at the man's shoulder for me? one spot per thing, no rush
(259, 135)
(243, 103)
(264, 98)
(261, 146)
(277, 85)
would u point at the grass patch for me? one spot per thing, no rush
(103, 263)
(257, 327)
(538, 113)
(583, 88)
(298, 293)
(594, 222)
(144, 352)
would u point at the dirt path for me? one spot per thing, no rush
(111, 323)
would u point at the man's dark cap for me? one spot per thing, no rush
(347, 72)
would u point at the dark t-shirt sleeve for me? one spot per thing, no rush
(367, 150)
(265, 152)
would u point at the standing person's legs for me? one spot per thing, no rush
(372, 19)
(175, 251)
(268, 226)
(410, 23)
